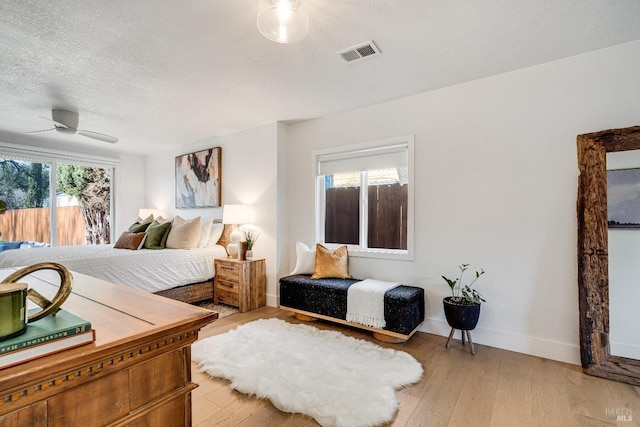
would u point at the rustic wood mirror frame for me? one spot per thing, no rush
(593, 258)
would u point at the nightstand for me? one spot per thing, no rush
(240, 283)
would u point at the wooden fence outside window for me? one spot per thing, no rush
(387, 216)
(32, 225)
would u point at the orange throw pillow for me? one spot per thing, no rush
(331, 264)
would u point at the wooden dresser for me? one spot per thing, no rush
(240, 283)
(136, 373)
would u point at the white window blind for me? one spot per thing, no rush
(393, 155)
(39, 155)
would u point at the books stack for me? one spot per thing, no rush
(46, 336)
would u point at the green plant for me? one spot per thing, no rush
(465, 294)
(250, 237)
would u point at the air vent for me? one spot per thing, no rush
(361, 51)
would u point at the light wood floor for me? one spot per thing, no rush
(493, 388)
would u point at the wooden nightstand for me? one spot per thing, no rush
(240, 283)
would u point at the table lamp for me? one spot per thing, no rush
(235, 214)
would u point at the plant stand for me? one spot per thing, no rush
(463, 317)
(462, 333)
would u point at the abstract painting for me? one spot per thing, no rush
(623, 198)
(198, 179)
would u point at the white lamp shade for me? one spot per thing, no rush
(283, 21)
(145, 212)
(236, 214)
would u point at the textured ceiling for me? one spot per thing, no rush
(161, 73)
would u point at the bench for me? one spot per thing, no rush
(326, 299)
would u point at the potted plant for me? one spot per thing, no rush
(462, 308)
(250, 237)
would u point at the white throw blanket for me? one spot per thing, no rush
(365, 302)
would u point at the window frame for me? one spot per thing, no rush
(53, 157)
(361, 250)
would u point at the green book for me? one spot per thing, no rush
(53, 327)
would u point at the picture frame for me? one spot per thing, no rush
(198, 179)
(623, 198)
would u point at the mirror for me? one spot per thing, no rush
(593, 262)
(623, 209)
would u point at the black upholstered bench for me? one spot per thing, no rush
(326, 299)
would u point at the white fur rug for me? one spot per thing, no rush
(338, 380)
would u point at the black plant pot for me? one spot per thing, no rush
(461, 316)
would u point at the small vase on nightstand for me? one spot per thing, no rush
(249, 254)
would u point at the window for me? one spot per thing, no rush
(364, 198)
(79, 189)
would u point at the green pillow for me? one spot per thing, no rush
(157, 235)
(136, 227)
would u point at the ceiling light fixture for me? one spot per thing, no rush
(283, 21)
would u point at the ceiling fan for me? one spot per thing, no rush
(66, 121)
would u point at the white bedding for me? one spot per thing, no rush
(145, 269)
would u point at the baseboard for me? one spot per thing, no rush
(535, 346)
(272, 300)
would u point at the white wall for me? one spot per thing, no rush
(282, 207)
(495, 185)
(129, 190)
(249, 175)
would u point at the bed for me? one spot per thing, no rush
(182, 274)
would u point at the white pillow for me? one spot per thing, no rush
(206, 231)
(305, 259)
(162, 220)
(184, 234)
(142, 221)
(216, 233)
